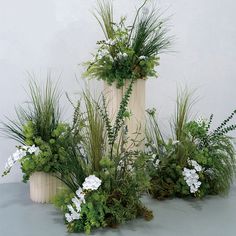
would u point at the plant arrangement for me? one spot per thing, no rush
(128, 52)
(105, 176)
(39, 132)
(196, 161)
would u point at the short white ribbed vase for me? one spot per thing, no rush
(43, 187)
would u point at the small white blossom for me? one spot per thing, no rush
(68, 217)
(91, 183)
(33, 150)
(130, 167)
(111, 58)
(142, 57)
(10, 161)
(110, 42)
(101, 54)
(192, 179)
(77, 203)
(155, 160)
(19, 154)
(154, 156)
(193, 189)
(174, 142)
(75, 215)
(156, 163)
(196, 166)
(81, 195)
(121, 55)
(201, 121)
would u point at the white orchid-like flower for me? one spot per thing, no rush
(155, 160)
(74, 214)
(68, 217)
(142, 57)
(77, 203)
(201, 121)
(196, 166)
(156, 163)
(33, 150)
(81, 195)
(110, 42)
(19, 154)
(121, 55)
(192, 178)
(91, 183)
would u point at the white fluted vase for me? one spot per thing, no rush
(43, 187)
(136, 123)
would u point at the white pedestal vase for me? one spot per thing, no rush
(136, 106)
(43, 187)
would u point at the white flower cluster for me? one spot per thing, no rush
(155, 161)
(90, 183)
(102, 53)
(126, 163)
(201, 121)
(19, 154)
(191, 176)
(110, 42)
(142, 57)
(121, 55)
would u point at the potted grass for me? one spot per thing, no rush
(41, 142)
(128, 53)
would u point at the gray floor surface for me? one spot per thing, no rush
(214, 216)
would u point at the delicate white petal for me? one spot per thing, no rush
(77, 203)
(68, 217)
(91, 183)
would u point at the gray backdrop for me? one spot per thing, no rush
(60, 34)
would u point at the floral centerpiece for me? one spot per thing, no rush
(196, 161)
(128, 52)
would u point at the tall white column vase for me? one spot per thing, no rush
(43, 187)
(136, 106)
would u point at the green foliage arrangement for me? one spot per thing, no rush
(39, 131)
(128, 52)
(101, 153)
(196, 161)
